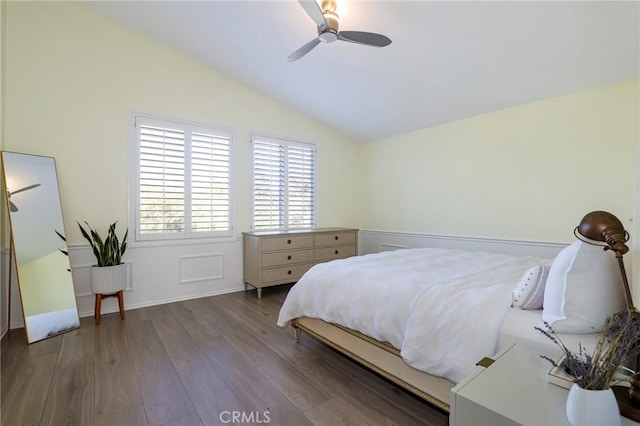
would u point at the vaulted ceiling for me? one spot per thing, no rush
(448, 60)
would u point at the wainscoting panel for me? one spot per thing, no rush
(372, 241)
(391, 247)
(164, 273)
(205, 267)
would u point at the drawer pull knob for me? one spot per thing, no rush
(288, 241)
(337, 238)
(336, 251)
(289, 272)
(289, 257)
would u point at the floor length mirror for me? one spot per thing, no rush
(44, 280)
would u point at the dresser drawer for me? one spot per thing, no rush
(286, 274)
(335, 239)
(287, 242)
(331, 253)
(286, 257)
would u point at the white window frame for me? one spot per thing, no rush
(187, 233)
(285, 142)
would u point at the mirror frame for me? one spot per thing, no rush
(48, 255)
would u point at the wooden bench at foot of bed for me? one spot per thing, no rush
(379, 357)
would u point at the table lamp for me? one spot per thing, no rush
(604, 229)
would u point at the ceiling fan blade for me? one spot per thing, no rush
(35, 185)
(303, 50)
(315, 13)
(361, 37)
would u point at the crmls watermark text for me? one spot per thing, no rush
(239, 417)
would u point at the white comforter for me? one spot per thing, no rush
(442, 308)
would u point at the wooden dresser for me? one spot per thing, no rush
(280, 257)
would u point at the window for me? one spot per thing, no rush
(183, 180)
(284, 184)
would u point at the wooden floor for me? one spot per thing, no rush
(216, 360)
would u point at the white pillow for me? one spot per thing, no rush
(529, 293)
(584, 287)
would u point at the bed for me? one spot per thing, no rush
(422, 318)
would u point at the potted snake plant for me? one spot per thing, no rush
(109, 275)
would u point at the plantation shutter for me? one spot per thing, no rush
(283, 184)
(210, 187)
(184, 180)
(268, 185)
(161, 179)
(301, 186)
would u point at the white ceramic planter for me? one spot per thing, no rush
(592, 407)
(108, 279)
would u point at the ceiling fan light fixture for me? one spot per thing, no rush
(327, 37)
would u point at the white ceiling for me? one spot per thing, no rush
(448, 60)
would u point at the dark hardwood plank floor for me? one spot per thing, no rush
(209, 361)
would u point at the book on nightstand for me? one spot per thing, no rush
(559, 377)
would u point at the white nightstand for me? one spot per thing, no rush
(512, 391)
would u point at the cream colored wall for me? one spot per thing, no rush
(530, 172)
(74, 77)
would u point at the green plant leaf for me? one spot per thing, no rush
(60, 235)
(108, 252)
(86, 235)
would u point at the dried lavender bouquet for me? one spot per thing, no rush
(617, 345)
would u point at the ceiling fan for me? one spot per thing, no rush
(327, 20)
(12, 206)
